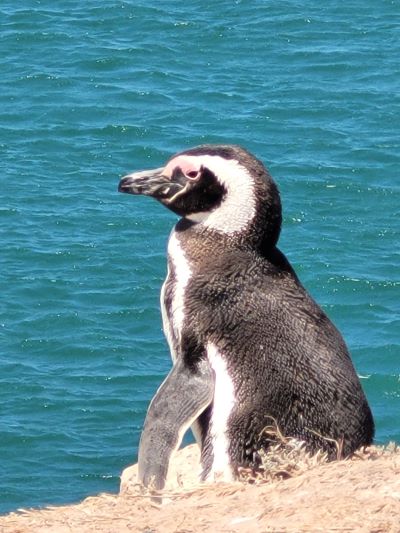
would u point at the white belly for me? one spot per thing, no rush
(173, 316)
(167, 326)
(178, 277)
(223, 404)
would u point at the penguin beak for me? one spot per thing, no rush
(150, 183)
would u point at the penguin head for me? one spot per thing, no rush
(222, 188)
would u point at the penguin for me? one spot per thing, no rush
(249, 344)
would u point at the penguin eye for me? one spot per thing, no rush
(193, 174)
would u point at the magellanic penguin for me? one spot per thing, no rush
(248, 343)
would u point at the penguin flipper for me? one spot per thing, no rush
(179, 401)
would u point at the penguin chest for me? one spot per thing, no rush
(173, 295)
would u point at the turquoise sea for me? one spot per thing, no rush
(92, 90)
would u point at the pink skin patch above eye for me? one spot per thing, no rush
(190, 168)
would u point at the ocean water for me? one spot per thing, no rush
(92, 90)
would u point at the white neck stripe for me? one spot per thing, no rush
(238, 208)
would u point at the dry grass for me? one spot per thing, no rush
(294, 492)
(287, 457)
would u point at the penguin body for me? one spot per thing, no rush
(250, 347)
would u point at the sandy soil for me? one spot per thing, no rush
(361, 494)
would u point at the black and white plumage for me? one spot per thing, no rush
(248, 342)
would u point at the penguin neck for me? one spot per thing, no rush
(256, 235)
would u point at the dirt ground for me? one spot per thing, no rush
(361, 494)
